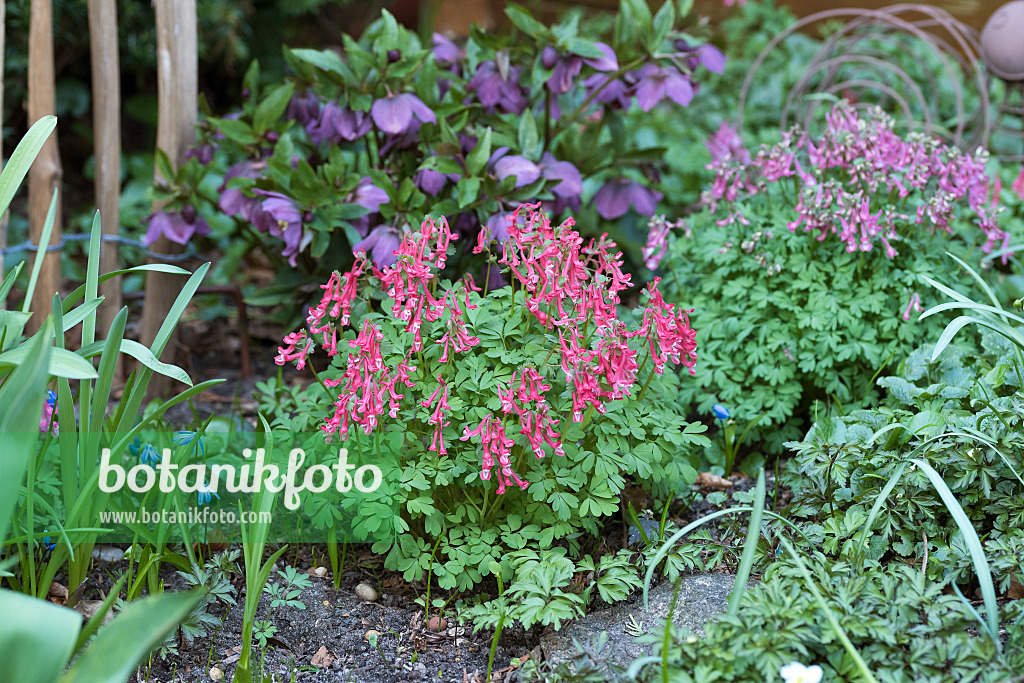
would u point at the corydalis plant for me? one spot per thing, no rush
(564, 287)
(862, 182)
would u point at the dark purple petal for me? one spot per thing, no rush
(368, 195)
(157, 226)
(712, 58)
(351, 125)
(644, 199)
(607, 63)
(495, 280)
(612, 200)
(431, 181)
(679, 89)
(487, 84)
(445, 51)
(552, 169)
(418, 108)
(566, 70)
(176, 229)
(523, 169)
(381, 244)
(497, 227)
(649, 92)
(392, 114)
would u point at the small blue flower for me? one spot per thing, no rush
(182, 438)
(135, 446)
(204, 494)
(51, 398)
(47, 543)
(720, 411)
(149, 455)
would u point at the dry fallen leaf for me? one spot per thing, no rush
(1015, 590)
(714, 481)
(322, 658)
(58, 593)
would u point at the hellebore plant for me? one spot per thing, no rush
(475, 130)
(475, 389)
(804, 266)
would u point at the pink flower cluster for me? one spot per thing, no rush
(569, 286)
(863, 182)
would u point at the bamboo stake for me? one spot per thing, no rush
(106, 88)
(45, 175)
(177, 94)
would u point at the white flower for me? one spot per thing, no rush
(794, 672)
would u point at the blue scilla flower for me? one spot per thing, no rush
(147, 454)
(720, 411)
(47, 542)
(51, 398)
(205, 493)
(182, 438)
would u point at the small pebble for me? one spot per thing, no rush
(366, 592)
(216, 674)
(437, 624)
(320, 571)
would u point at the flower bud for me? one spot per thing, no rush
(394, 56)
(189, 214)
(548, 57)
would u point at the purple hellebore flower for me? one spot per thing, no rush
(569, 190)
(616, 94)
(284, 221)
(446, 53)
(177, 226)
(431, 181)
(337, 122)
(495, 90)
(615, 197)
(496, 227)
(232, 200)
(567, 67)
(370, 197)
(655, 83)
(381, 244)
(203, 153)
(711, 58)
(523, 169)
(304, 108)
(394, 115)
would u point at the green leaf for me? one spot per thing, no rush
(63, 363)
(477, 159)
(327, 60)
(36, 638)
(524, 21)
(664, 20)
(529, 137)
(24, 154)
(270, 110)
(121, 645)
(22, 399)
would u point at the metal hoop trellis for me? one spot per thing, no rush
(940, 88)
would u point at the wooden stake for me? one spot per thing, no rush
(106, 88)
(45, 175)
(177, 93)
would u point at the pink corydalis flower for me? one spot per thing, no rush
(496, 447)
(48, 420)
(914, 304)
(1018, 184)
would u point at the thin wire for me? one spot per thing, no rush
(189, 253)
